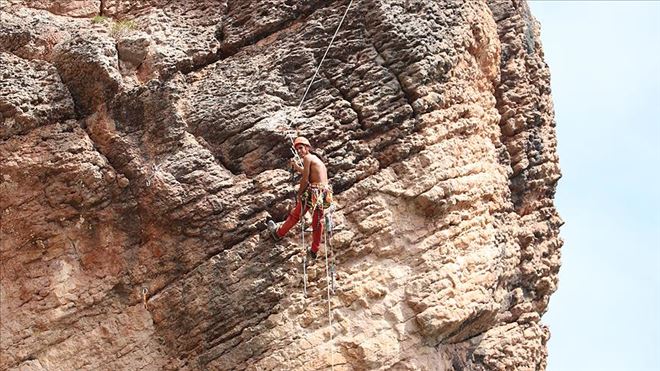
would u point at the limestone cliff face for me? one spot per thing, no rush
(142, 150)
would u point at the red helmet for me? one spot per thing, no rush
(301, 140)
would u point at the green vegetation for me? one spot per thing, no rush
(99, 19)
(122, 27)
(117, 28)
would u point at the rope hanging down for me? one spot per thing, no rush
(329, 284)
(329, 281)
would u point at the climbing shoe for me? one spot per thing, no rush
(272, 228)
(311, 255)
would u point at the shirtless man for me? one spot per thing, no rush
(314, 194)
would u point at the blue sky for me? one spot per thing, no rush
(604, 60)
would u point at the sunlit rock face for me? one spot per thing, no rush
(144, 143)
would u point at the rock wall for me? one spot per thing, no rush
(143, 144)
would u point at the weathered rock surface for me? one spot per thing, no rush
(141, 152)
(32, 95)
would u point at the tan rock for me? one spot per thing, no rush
(75, 8)
(137, 169)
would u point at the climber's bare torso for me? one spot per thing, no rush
(313, 171)
(318, 174)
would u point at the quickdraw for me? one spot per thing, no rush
(145, 291)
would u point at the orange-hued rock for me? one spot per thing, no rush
(141, 153)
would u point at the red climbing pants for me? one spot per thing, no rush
(317, 224)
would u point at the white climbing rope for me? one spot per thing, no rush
(302, 235)
(328, 284)
(322, 218)
(291, 134)
(324, 55)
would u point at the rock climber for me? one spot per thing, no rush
(314, 195)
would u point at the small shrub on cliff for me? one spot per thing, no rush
(99, 19)
(121, 28)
